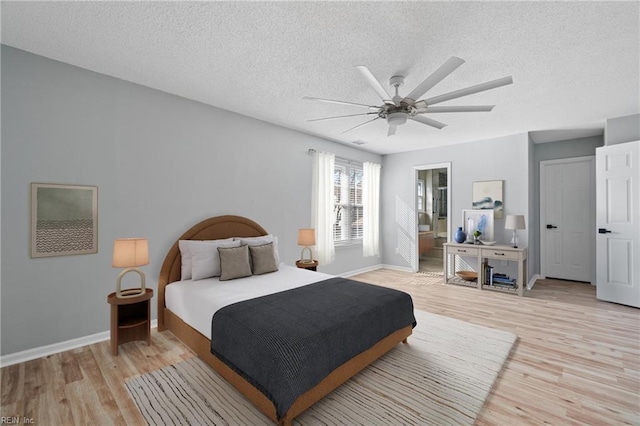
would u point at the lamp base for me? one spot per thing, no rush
(131, 292)
(306, 260)
(514, 239)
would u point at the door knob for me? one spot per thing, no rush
(551, 226)
(603, 231)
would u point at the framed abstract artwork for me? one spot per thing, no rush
(64, 219)
(487, 195)
(478, 220)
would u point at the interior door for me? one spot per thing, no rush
(618, 221)
(567, 213)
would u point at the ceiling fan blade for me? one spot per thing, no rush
(342, 116)
(375, 84)
(392, 130)
(436, 77)
(340, 102)
(359, 125)
(467, 108)
(470, 90)
(428, 121)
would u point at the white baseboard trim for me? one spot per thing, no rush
(398, 268)
(374, 268)
(533, 280)
(42, 351)
(360, 271)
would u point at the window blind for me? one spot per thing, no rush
(348, 206)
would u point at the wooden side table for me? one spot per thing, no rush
(312, 266)
(130, 319)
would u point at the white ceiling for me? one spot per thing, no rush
(574, 64)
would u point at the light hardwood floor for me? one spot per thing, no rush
(577, 360)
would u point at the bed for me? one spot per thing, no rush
(191, 326)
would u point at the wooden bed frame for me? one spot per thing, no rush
(235, 226)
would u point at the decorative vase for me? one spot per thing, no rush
(470, 228)
(460, 236)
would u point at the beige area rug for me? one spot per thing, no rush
(443, 376)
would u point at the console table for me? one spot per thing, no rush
(480, 255)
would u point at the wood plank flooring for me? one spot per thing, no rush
(577, 360)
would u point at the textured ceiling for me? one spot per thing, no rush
(574, 64)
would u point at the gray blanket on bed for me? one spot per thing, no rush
(286, 343)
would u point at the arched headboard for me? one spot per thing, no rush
(213, 228)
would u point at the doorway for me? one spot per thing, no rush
(433, 206)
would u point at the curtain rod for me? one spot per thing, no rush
(311, 151)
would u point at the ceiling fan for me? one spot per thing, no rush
(397, 109)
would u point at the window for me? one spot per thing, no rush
(348, 208)
(421, 206)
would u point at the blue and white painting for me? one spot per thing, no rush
(478, 220)
(487, 195)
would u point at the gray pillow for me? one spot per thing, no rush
(263, 259)
(234, 262)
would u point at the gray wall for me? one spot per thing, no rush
(623, 129)
(162, 163)
(505, 158)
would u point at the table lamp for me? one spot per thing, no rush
(306, 238)
(130, 253)
(515, 222)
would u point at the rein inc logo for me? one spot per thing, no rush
(17, 420)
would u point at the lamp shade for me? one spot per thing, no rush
(130, 252)
(514, 221)
(306, 237)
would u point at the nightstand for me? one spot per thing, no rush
(312, 266)
(130, 319)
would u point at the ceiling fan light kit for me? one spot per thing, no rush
(397, 110)
(397, 118)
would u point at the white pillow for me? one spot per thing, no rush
(205, 259)
(259, 241)
(186, 262)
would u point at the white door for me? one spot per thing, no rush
(567, 219)
(618, 218)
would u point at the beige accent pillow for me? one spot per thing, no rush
(263, 259)
(234, 262)
(258, 241)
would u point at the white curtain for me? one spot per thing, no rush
(323, 205)
(371, 209)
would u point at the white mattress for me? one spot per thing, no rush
(195, 302)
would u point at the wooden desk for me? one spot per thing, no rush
(480, 255)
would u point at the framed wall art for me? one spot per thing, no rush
(481, 220)
(64, 219)
(487, 195)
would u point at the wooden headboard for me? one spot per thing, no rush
(213, 228)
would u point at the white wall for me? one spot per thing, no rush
(162, 163)
(505, 158)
